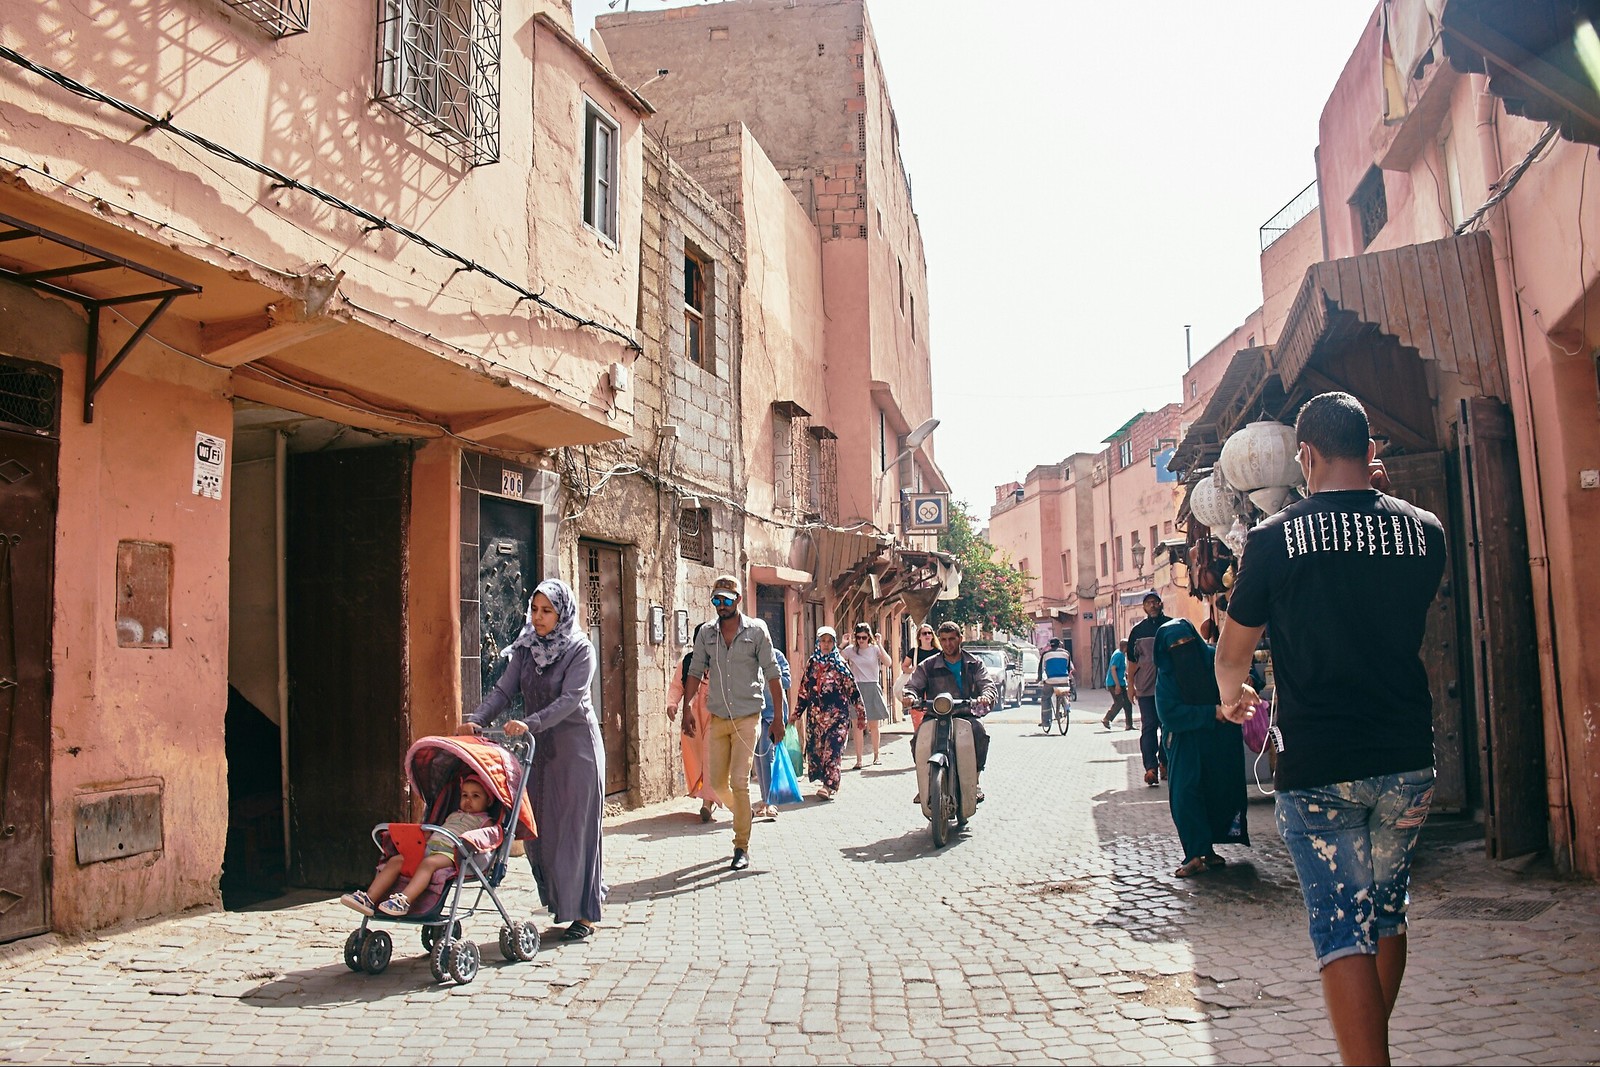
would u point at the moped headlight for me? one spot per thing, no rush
(943, 703)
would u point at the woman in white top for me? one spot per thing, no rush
(870, 664)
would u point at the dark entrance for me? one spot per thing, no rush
(348, 692)
(769, 608)
(600, 607)
(27, 540)
(1421, 480)
(508, 572)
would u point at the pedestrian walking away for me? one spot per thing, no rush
(736, 660)
(696, 754)
(552, 665)
(870, 665)
(829, 702)
(1205, 752)
(1142, 681)
(764, 743)
(1342, 582)
(1117, 686)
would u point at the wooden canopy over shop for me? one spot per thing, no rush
(1532, 52)
(1437, 299)
(1239, 391)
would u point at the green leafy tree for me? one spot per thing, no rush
(992, 589)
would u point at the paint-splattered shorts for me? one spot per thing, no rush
(1351, 843)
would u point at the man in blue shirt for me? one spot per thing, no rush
(1117, 682)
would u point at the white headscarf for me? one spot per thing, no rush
(547, 649)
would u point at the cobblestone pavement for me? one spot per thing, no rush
(1052, 931)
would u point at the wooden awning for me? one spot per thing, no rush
(1531, 51)
(1437, 298)
(1236, 393)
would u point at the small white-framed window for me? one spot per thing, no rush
(1125, 453)
(599, 170)
(696, 303)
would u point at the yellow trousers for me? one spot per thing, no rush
(733, 746)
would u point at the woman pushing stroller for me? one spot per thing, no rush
(552, 665)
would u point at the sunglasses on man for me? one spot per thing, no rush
(724, 600)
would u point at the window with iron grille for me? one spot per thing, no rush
(28, 398)
(281, 18)
(825, 473)
(783, 463)
(439, 69)
(599, 171)
(1370, 205)
(694, 534)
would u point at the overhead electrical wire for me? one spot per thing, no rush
(376, 222)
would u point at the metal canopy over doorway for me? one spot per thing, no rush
(69, 259)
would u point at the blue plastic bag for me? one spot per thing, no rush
(785, 786)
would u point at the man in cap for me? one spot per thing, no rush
(737, 652)
(1142, 680)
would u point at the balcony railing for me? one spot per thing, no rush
(1292, 212)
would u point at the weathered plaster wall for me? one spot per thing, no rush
(126, 716)
(1283, 267)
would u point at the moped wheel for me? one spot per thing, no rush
(936, 804)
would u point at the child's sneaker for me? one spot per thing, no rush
(358, 901)
(397, 905)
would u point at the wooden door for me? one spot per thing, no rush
(349, 719)
(600, 605)
(769, 609)
(508, 572)
(1420, 479)
(1503, 644)
(27, 543)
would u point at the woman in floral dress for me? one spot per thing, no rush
(830, 701)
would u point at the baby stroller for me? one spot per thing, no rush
(436, 766)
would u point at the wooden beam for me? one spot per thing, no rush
(489, 423)
(235, 342)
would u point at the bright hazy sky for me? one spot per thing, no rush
(1090, 177)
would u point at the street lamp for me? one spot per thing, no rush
(913, 440)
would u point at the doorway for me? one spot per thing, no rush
(600, 601)
(509, 571)
(28, 469)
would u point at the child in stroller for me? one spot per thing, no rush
(477, 809)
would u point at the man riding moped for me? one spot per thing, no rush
(961, 675)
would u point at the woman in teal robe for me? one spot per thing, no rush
(1205, 754)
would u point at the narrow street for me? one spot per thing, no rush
(1052, 931)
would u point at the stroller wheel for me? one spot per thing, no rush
(519, 941)
(431, 935)
(376, 951)
(352, 948)
(464, 960)
(436, 960)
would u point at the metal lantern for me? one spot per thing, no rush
(1261, 454)
(1211, 504)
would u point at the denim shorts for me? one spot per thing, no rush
(1351, 843)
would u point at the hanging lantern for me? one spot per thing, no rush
(1271, 499)
(1210, 503)
(1236, 536)
(1261, 454)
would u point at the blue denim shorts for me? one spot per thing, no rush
(1351, 843)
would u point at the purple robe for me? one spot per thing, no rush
(567, 787)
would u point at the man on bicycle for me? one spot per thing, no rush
(1055, 668)
(961, 675)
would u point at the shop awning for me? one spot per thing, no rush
(1534, 52)
(1437, 298)
(1240, 388)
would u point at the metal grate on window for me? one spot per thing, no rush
(1371, 205)
(694, 534)
(28, 399)
(439, 69)
(281, 18)
(592, 587)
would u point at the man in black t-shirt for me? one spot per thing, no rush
(1342, 582)
(1142, 683)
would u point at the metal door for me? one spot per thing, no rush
(349, 719)
(1503, 646)
(1420, 479)
(27, 542)
(769, 608)
(601, 605)
(508, 572)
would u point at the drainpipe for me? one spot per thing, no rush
(1557, 789)
(280, 483)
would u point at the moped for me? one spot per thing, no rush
(947, 765)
